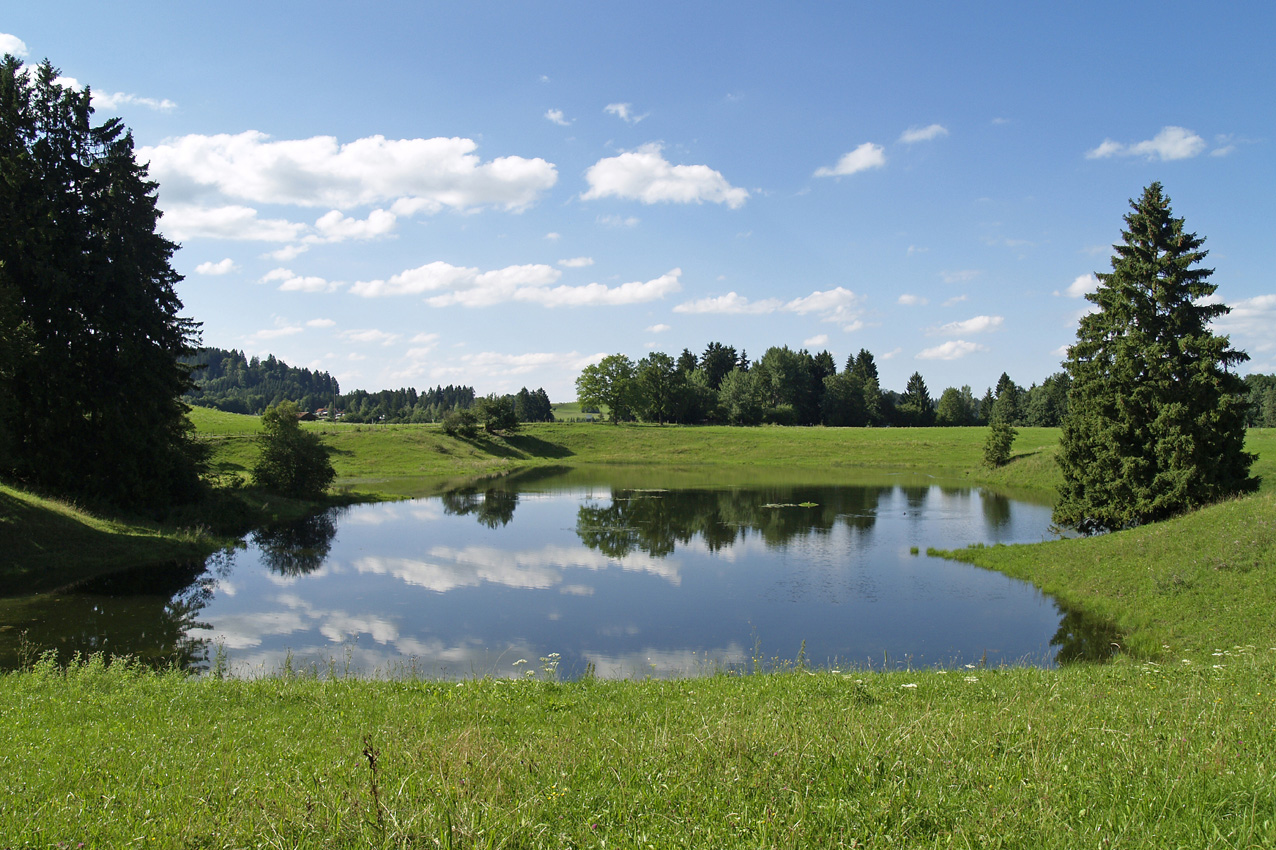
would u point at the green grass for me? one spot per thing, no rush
(1171, 745)
(1128, 755)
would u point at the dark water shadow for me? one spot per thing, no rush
(1084, 639)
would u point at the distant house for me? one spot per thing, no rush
(307, 417)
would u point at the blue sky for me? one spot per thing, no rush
(498, 194)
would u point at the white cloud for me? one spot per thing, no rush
(731, 303)
(335, 227)
(576, 262)
(278, 332)
(553, 237)
(1253, 318)
(425, 339)
(427, 278)
(12, 44)
(913, 300)
(556, 116)
(818, 339)
(1080, 286)
(470, 287)
(417, 174)
(221, 267)
(645, 175)
(863, 158)
(371, 335)
(834, 305)
(956, 299)
(952, 350)
(624, 111)
(890, 355)
(977, 325)
(1169, 144)
(959, 276)
(182, 222)
(289, 282)
(113, 101)
(923, 134)
(659, 329)
(320, 323)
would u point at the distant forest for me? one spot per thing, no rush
(230, 381)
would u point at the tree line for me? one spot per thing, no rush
(230, 381)
(787, 387)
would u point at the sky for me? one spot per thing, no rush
(498, 194)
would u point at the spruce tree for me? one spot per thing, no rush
(91, 383)
(1156, 418)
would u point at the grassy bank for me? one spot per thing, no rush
(1175, 754)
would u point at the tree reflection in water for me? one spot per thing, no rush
(299, 547)
(492, 507)
(1081, 639)
(654, 522)
(147, 614)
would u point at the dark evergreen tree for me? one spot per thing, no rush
(1156, 417)
(915, 406)
(717, 361)
(687, 362)
(92, 387)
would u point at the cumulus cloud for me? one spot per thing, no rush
(624, 111)
(416, 174)
(618, 221)
(1251, 318)
(289, 282)
(865, 157)
(113, 101)
(334, 226)
(555, 116)
(977, 325)
(1080, 286)
(952, 350)
(659, 329)
(923, 134)
(818, 339)
(320, 323)
(576, 262)
(470, 287)
(12, 44)
(220, 267)
(1169, 144)
(731, 303)
(182, 222)
(913, 300)
(371, 336)
(645, 175)
(833, 305)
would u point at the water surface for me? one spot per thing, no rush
(611, 573)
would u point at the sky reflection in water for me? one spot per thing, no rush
(635, 582)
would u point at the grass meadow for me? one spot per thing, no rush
(1172, 744)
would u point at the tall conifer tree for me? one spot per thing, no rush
(92, 385)
(1156, 417)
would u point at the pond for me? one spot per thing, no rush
(608, 573)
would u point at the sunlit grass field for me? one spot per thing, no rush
(1173, 744)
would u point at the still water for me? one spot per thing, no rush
(624, 579)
